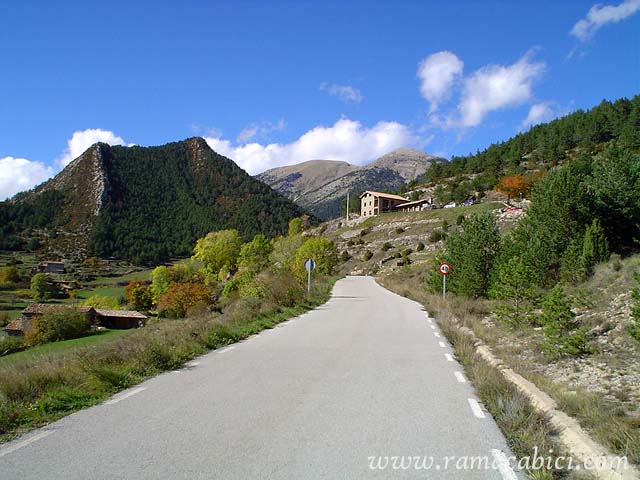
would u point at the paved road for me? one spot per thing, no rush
(362, 376)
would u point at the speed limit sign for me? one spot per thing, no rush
(444, 268)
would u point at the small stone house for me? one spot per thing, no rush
(37, 309)
(17, 327)
(113, 319)
(120, 319)
(49, 267)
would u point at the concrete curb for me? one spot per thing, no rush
(574, 438)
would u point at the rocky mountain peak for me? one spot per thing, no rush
(320, 185)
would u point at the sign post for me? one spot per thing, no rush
(310, 264)
(444, 270)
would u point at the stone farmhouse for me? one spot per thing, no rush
(374, 203)
(99, 317)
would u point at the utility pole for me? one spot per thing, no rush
(347, 205)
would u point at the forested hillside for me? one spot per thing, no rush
(581, 212)
(546, 145)
(145, 204)
(160, 199)
(22, 217)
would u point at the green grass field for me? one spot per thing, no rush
(448, 214)
(137, 275)
(12, 302)
(61, 348)
(13, 314)
(107, 291)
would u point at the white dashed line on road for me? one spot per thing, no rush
(24, 443)
(502, 462)
(433, 327)
(442, 344)
(448, 357)
(460, 377)
(476, 409)
(128, 394)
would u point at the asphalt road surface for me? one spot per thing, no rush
(336, 393)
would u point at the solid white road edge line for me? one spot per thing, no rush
(475, 407)
(448, 357)
(503, 465)
(128, 394)
(24, 443)
(460, 377)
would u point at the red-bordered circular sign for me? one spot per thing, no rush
(444, 268)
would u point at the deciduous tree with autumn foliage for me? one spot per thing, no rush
(139, 295)
(514, 186)
(183, 297)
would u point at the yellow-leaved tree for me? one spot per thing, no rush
(218, 251)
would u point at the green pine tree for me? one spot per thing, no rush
(515, 286)
(595, 248)
(572, 262)
(563, 335)
(472, 255)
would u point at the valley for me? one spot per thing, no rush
(540, 243)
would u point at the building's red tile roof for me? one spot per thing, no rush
(120, 313)
(384, 195)
(40, 308)
(18, 325)
(415, 202)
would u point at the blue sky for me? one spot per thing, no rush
(275, 83)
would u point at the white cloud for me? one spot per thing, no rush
(345, 140)
(257, 130)
(19, 174)
(601, 15)
(346, 93)
(538, 113)
(494, 87)
(438, 73)
(83, 139)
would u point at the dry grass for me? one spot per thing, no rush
(524, 428)
(605, 420)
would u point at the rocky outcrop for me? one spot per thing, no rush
(146, 204)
